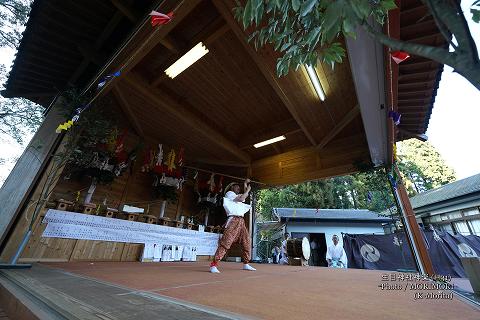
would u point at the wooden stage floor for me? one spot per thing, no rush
(275, 292)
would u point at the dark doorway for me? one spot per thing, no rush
(317, 256)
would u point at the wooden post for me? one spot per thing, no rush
(412, 229)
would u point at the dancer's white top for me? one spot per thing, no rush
(234, 208)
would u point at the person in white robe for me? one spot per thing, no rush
(283, 250)
(336, 256)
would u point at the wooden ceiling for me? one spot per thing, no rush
(218, 108)
(66, 42)
(231, 98)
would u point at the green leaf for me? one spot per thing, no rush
(348, 28)
(361, 8)
(313, 37)
(259, 12)
(388, 5)
(295, 5)
(475, 15)
(285, 46)
(247, 18)
(306, 7)
(332, 20)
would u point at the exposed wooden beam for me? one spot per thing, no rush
(352, 114)
(112, 24)
(426, 75)
(286, 127)
(413, 107)
(28, 78)
(34, 85)
(166, 103)
(208, 36)
(127, 11)
(73, 19)
(172, 44)
(82, 32)
(125, 106)
(216, 162)
(130, 55)
(409, 84)
(92, 54)
(424, 39)
(306, 164)
(277, 148)
(153, 39)
(414, 101)
(269, 74)
(47, 65)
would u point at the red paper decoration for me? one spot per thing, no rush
(399, 56)
(158, 18)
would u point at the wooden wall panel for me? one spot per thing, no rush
(307, 164)
(97, 251)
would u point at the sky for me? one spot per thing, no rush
(454, 127)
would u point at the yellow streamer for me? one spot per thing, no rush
(171, 160)
(64, 126)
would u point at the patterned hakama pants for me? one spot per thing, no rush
(235, 232)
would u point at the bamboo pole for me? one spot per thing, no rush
(225, 175)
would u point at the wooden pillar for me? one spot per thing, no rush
(253, 216)
(23, 180)
(412, 229)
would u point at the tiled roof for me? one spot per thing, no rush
(329, 214)
(449, 191)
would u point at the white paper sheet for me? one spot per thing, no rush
(71, 225)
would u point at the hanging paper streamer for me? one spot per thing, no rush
(369, 197)
(395, 117)
(399, 56)
(393, 181)
(64, 126)
(170, 162)
(158, 167)
(180, 157)
(158, 18)
(108, 78)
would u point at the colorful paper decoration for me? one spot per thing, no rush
(158, 18)
(399, 56)
(393, 181)
(395, 117)
(158, 166)
(64, 126)
(170, 162)
(108, 78)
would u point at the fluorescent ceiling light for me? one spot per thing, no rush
(187, 60)
(270, 141)
(315, 81)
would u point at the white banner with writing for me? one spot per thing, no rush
(71, 225)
